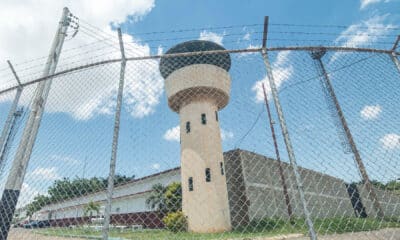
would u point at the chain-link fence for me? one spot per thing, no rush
(193, 152)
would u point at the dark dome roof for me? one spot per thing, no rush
(170, 64)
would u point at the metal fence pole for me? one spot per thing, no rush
(289, 148)
(395, 60)
(10, 117)
(393, 54)
(317, 55)
(18, 170)
(278, 158)
(110, 187)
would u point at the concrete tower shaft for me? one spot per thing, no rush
(196, 90)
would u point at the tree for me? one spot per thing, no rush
(38, 202)
(165, 199)
(119, 179)
(156, 199)
(66, 189)
(173, 197)
(90, 207)
(392, 186)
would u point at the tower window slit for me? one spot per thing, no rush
(208, 175)
(187, 127)
(203, 119)
(216, 116)
(190, 181)
(221, 165)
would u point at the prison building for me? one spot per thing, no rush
(254, 192)
(128, 204)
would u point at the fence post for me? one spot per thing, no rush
(110, 185)
(288, 144)
(395, 60)
(393, 55)
(317, 55)
(278, 158)
(8, 123)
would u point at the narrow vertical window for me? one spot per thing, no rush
(187, 127)
(208, 175)
(190, 181)
(216, 116)
(203, 118)
(221, 165)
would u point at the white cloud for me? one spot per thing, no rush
(371, 112)
(64, 159)
(144, 87)
(362, 34)
(28, 193)
(31, 24)
(244, 54)
(45, 173)
(246, 36)
(365, 3)
(160, 50)
(282, 70)
(173, 134)
(156, 166)
(92, 92)
(365, 32)
(390, 141)
(226, 135)
(211, 36)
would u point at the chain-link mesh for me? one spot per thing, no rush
(196, 157)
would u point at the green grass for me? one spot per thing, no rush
(265, 228)
(154, 234)
(342, 225)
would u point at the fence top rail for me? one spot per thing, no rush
(331, 48)
(251, 50)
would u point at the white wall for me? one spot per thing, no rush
(129, 198)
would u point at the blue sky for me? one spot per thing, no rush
(76, 132)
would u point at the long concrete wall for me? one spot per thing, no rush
(390, 203)
(326, 196)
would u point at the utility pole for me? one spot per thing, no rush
(16, 176)
(278, 158)
(331, 96)
(110, 186)
(11, 114)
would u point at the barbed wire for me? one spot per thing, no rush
(331, 26)
(91, 30)
(330, 72)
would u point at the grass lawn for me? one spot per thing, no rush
(265, 228)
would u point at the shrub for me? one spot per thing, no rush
(173, 197)
(175, 222)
